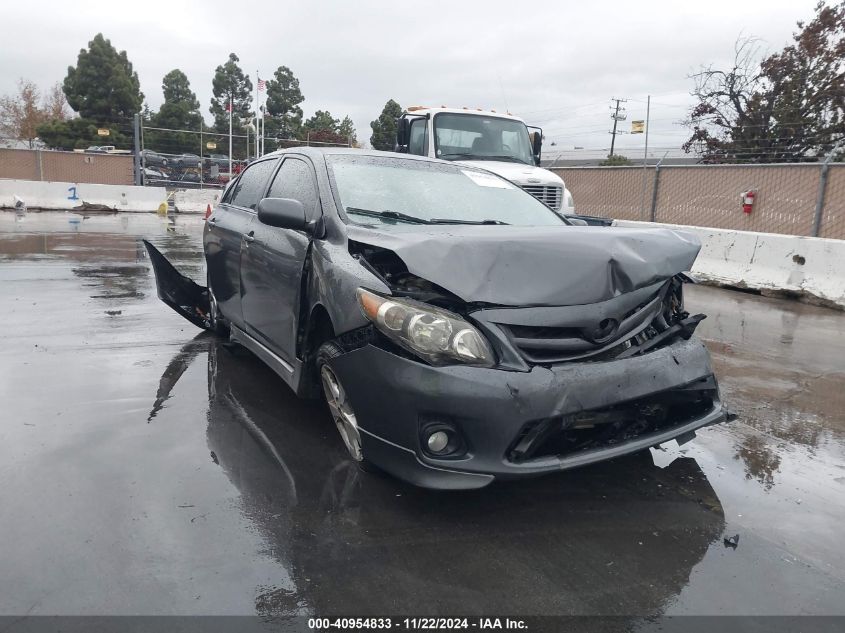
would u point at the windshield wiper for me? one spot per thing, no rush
(388, 215)
(470, 156)
(453, 221)
(507, 157)
(459, 155)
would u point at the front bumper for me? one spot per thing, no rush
(394, 397)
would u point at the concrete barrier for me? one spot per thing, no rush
(810, 267)
(71, 195)
(196, 200)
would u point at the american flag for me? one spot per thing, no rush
(262, 84)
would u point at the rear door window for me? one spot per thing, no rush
(250, 186)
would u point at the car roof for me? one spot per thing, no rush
(353, 151)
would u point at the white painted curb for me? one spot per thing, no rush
(768, 261)
(70, 195)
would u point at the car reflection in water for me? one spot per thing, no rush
(618, 538)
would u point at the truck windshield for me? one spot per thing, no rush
(481, 137)
(376, 190)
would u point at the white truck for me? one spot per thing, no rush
(501, 143)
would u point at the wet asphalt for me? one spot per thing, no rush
(146, 469)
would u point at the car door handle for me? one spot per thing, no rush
(211, 222)
(249, 237)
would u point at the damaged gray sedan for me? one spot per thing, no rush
(459, 330)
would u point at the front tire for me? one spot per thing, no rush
(339, 405)
(217, 322)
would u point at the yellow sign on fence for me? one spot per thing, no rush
(102, 131)
(211, 145)
(637, 127)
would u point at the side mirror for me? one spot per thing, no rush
(537, 144)
(284, 213)
(403, 134)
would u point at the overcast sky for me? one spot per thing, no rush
(557, 64)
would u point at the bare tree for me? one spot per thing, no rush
(55, 104)
(784, 107)
(20, 114)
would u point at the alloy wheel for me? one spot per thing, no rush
(341, 410)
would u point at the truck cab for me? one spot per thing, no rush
(501, 143)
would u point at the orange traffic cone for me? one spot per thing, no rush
(207, 211)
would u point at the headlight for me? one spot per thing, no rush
(570, 202)
(437, 336)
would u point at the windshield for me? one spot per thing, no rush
(422, 192)
(476, 137)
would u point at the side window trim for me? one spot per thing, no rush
(318, 213)
(264, 190)
(227, 192)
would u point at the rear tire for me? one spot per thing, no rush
(339, 406)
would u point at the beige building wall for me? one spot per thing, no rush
(106, 169)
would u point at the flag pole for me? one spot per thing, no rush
(230, 137)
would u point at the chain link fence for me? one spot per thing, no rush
(191, 158)
(200, 158)
(129, 150)
(833, 216)
(710, 195)
(610, 192)
(792, 199)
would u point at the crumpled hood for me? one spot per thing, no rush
(537, 266)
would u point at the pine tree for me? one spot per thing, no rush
(347, 130)
(103, 86)
(231, 82)
(283, 99)
(322, 120)
(384, 127)
(180, 111)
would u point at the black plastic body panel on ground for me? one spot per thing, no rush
(185, 296)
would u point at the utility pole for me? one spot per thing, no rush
(645, 153)
(618, 115)
(647, 121)
(138, 164)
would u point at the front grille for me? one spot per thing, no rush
(615, 424)
(543, 344)
(552, 196)
(653, 323)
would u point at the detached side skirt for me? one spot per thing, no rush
(183, 295)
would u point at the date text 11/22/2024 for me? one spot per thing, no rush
(422, 623)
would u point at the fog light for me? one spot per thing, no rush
(438, 441)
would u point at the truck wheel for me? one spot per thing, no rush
(339, 404)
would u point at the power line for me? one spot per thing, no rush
(570, 108)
